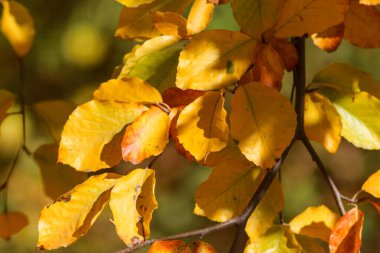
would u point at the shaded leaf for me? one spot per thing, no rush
(11, 223)
(170, 23)
(263, 122)
(322, 121)
(330, 39)
(57, 178)
(372, 184)
(200, 16)
(6, 101)
(18, 26)
(346, 235)
(171, 246)
(376, 205)
(132, 204)
(175, 97)
(147, 136)
(287, 51)
(203, 247)
(127, 90)
(55, 114)
(90, 127)
(218, 57)
(310, 245)
(201, 125)
(316, 221)
(229, 188)
(299, 17)
(72, 215)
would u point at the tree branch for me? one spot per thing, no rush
(299, 78)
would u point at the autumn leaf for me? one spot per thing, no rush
(310, 245)
(171, 246)
(299, 17)
(175, 97)
(322, 121)
(229, 188)
(127, 90)
(170, 23)
(90, 127)
(263, 122)
(132, 203)
(362, 25)
(372, 184)
(6, 101)
(315, 221)
(201, 125)
(200, 16)
(370, 2)
(287, 51)
(346, 235)
(134, 3)
(11, 223)
(55, 114)
(18, 26)
(203, 247)
(155, 61)
(330, 39)
(71, 216)
(147, 136)
(218, 57)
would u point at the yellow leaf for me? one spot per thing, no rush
(267, 210)
(317, 222)
(372, 185)
(263, 122)
(218, 57)
(170, 246)
(362, 25)
(203, 247)
(229, 188)
(134, 3)
(55, 114)
(330, 39)
(370, 2)
(18, 26)
(11, 223)
(147, 136)
(127, 90)
(322, 121)
(90, 127)
(201, 125)
(6, 101)
(170, 23)
(72, 215)
(200, 16)
(132, 204)
(308, 16)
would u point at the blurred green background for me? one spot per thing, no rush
(74, 52)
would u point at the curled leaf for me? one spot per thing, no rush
(330, 39)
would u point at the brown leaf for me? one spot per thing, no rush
(346, 235)
(287, 51)
(330, 39)
(11, 223)
(176, 97)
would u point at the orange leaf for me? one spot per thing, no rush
(175, 97)
(170, 23)
(330, 39)
(376, 205)
(346, 235)
(370, 2)
(147, 136)
(287, 51)
(11, 223)
(172, 246)
(203, 247)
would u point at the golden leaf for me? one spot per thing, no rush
(322, 121)
(11, 223)
(89, 128)
(203, 247)
(218, 57)
(72, 215)
(200, 16)
(202, 127)
(372, 184)
(147, 136)
(127, 90)
(18, 26)
(170, 23)
(134, 3)
(330, 39)
(170, 246)
(132, 204)
(370, 2)
(263, 122)
(316, 221)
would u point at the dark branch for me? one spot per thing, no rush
(299, 78)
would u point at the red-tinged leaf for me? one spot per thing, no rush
(11, 223)
(330, 39)
(346, 235)
(147, 136)
(172, 246)
(175, 97)
(203, 247)
(287, 51)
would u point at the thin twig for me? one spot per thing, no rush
(299, 78)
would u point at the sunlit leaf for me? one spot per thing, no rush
(55, 114)
(203, 247)
(263, 122)
(214, 59)
(299, 17)
(57, 178)
(316, 221)
(132, 204)
(6, 101)
(201, 125)
(346, 235)
(11, 223)
(155, 61)
(330, 39)
(229, 188)
(127, 90)
(372, 184)
(137, 23)
(134, 3)
(266, 211)
(322, 121)
(175, 97)
(72, 215)
(256, 17)
(147, 136)
(170, 23)
(90, 127)
(362, 25)
(171, 246)
(200, 16)
(18, 26)
(370, 2)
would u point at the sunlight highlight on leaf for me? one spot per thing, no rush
(200, 16)
(372, 184)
